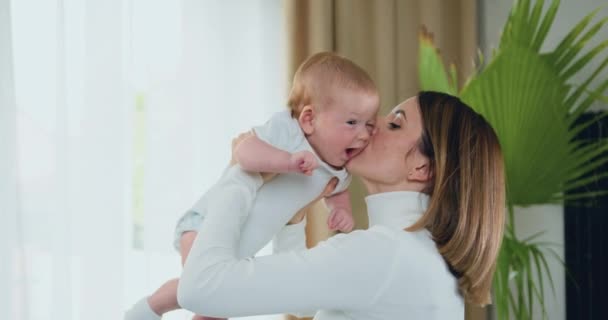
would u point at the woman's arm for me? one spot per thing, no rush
(292, 237)
(344, 272)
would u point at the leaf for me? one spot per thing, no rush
(539, 276)
(580, 127)
(434, 77)
(543, 30)
(582, 62)
(577, 183)
(567, 43)
(509, 99)
(583, 88)
(587, 102)
(573, 51)
(535, 18)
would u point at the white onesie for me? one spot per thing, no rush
(277, 200)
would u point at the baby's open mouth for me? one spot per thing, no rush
(351, 152)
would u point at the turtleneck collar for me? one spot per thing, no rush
(399, 209)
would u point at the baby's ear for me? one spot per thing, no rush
(307, 119)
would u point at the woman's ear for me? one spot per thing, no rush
(306, 119)
(420, 170)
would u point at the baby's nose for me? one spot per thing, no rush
(365, 134)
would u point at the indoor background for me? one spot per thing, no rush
(116, 115)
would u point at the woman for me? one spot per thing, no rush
(434, 173)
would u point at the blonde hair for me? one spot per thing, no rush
(467, 196)
(319, 74)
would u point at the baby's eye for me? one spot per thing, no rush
(351, 122)
(393, 126)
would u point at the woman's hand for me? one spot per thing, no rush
(235, 144)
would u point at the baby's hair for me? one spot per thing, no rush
(322, 72)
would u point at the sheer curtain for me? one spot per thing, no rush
(11, 252)
(115, 116)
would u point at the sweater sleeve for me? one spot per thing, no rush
(290, 238)
(343, 273)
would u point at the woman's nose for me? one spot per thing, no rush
(381, 123)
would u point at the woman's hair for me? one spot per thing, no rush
(322, 72)
(467, 194)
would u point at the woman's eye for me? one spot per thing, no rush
(392, 125)
(352, 122)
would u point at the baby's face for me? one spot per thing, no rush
(343, 128)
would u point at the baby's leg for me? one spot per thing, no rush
(164, 299)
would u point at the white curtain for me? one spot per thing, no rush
(11, 250)
(115, 116)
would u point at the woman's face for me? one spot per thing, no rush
(392, 160)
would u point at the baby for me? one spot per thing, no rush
(332, 112)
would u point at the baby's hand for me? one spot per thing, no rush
(340, 219)
(303, 162)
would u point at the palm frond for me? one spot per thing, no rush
(572, 68)
(434, 77)
(567, 45)
(545, 25)
(590, 99)
(580, 89)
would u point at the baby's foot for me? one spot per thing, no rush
(141, 311)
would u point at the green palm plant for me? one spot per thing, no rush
(532, 102)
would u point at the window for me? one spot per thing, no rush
(125, 112)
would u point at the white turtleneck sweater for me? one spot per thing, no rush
(383, 272)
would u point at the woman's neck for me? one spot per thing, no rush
(375, 187)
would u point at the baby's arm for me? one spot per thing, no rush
(255, 155)
(340, 216)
